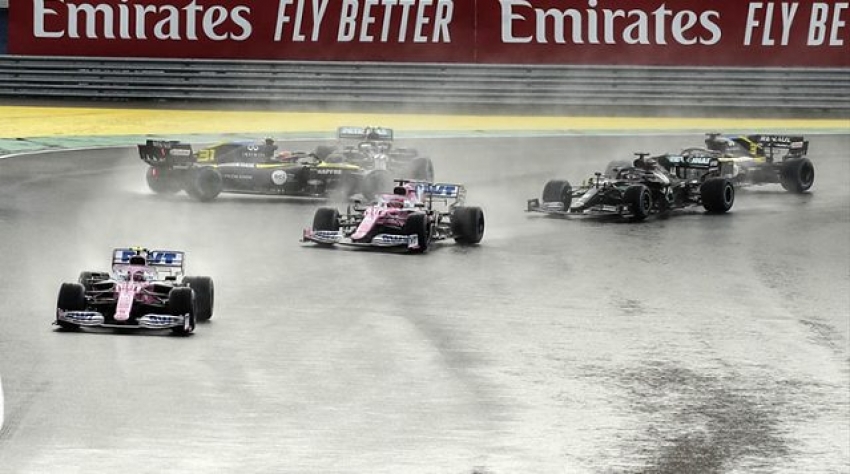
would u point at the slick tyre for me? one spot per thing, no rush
(718, 195)
(181, 301)
(204, 296)
(163, 180)
(417, 224)
(204, 184)
(559, 191)
(638, 199)
(468, 225)
(797, 175)
(422, 169)
(326, 218)
(72, 297)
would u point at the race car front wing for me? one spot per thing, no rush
(576, 209)
(330, 237)
(97, 319)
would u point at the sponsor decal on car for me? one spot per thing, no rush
(279, 177)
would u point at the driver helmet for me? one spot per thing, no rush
(139, 276)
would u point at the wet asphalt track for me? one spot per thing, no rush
(693, 344)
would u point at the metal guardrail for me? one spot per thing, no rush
(455, 85)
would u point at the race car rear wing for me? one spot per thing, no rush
(166, 153)
(695, 164)
(165, 261)
(444, 190)
(450, 194)
(365, 133)
(706, 160)
(797, 146)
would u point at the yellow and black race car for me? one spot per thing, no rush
(255, 168)
(761, 159)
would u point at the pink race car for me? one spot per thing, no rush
(414, 215)
(145, 289)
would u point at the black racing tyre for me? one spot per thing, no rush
(375, 183)
(718, 195)
(616, 165)
(72, 297)
(797, 175)
(638, 198)
(326, 218)
(558, 191)
(422, 169)
(204, 296)
(204, 183)
(468, 225)
(417, 224)
(181, 301)
(323, 151)
(162, 180)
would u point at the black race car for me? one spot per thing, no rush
(257, 168)
(761, 159)
(644, 187)
(373, 148)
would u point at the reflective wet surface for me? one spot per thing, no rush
(692, 343)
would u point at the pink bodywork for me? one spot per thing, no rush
(390, 209)
(128, 290)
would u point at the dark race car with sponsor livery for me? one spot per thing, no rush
(642, 188)
(761, 159)
(416, 214)
(146, 289)
(374, 148)
(254, 168)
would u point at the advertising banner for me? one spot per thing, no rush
(563, 32)
(657, 32)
